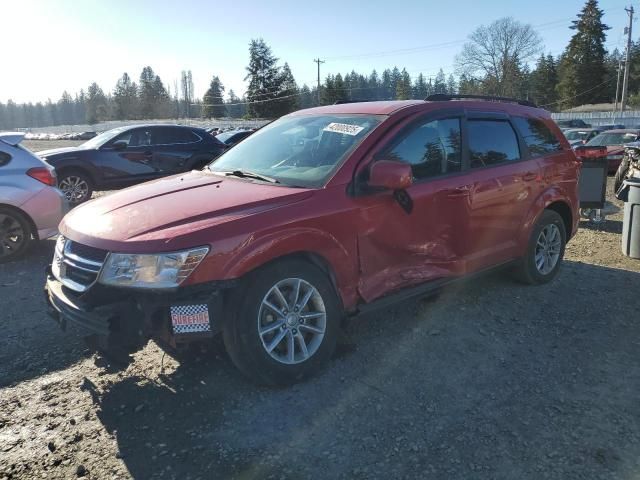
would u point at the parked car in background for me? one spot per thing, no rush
(580, 136)
(323, 213)
(31, 206)
(233, 137)
(86, 135)
(614, 140)
(612, 126)
(128, 155)
(573, 123)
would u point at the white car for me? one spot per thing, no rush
(31, 206)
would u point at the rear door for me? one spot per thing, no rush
(505, 183)
(173, 147)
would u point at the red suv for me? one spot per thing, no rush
(323, 213)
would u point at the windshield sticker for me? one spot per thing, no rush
(343, 128)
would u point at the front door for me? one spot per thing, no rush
(399, 248)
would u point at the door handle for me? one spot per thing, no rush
(529, 176)
(457, 192)
(148, 154)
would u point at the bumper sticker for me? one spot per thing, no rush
(190, 318)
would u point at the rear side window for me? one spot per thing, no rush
(538, 137)
(492, 142)
(431, 148)
(170, 136)
(5, 158)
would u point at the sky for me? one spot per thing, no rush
(48, 46)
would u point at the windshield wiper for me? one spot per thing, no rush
(249, 174)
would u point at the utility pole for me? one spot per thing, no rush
(615, 105)
(627, 66)
(318, 61)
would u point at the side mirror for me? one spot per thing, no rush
(120, 145)
(390, 175)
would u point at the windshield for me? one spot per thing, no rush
(576, 135)
(104, 137)
(300, 150)
(607, 139)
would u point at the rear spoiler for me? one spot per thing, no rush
(12, 138)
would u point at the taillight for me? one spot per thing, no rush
(44, 175)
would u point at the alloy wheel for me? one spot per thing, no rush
(292, 321)
(12, 235)
(74, 188)
(548, 247)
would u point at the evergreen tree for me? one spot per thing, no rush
(234, 109)
(96, 104)
(65, 108)
(125, 98)
(146, 93)
(440, 84)
(544, 80)
(386, 86)
(403, 86)
(264, 79)
(288, 87)
(582, 71)
(373, 84)
(213, 100)
(420, 91)
(452, 88)
(306, 97)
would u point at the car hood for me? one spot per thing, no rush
(59, 151)
(160, 215)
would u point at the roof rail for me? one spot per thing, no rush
(443, 97)
(342, 102)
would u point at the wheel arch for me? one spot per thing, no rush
(65, 169)
(314, 246)
(32, 224)
(562, 208)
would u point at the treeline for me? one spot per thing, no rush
(495, 61)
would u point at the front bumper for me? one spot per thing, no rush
(126, 318)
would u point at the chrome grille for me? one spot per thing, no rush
(77, 266)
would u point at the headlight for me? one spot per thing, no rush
(164, 270)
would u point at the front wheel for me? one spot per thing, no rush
(287, 323)
(545, 251)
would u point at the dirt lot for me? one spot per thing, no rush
(490, 380)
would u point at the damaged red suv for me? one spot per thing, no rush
(324, 213)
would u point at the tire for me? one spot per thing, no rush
(529, 270)
(16, 234)
(249, 351)
(76, 186)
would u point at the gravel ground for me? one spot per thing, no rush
(491, 379)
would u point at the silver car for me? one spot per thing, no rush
(31, 206)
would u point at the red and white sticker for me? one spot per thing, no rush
(190, 318)
(343, 128)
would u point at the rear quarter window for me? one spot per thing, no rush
(539, 138)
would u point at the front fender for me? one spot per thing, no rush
(255, 252)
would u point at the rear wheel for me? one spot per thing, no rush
(76, 186)
(545, 250)
(15, 234)
(287, 323)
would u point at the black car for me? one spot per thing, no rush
(233, 137)
(128, 155)
(573, 123)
